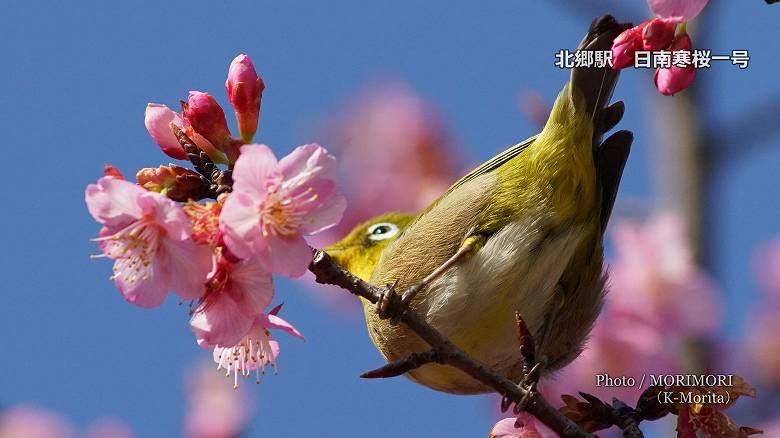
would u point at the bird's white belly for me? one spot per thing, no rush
(517, 269)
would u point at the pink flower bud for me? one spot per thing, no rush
(658, 33)
(245, 89)
(205, 116)
(624, 46)
(654, 34)
(113, 172)
(158, 119)
(670, 81)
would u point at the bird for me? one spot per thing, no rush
(523, 232)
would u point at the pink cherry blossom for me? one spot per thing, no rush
(672, 80)
(245, 89)
(29, 421)
(148, 236)
(654, 273)
(274, 204)
(256, 350)
(529, 427)
(763, 348)
(214, 410)
(389, 136)
(236, 294)
(158, 119)
(683, 10)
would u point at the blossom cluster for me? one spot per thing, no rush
(665, 33)
(219, 254)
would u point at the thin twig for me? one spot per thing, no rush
(399, 367)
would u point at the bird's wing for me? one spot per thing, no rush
(611, 158)
(493, 163)
(484, 168)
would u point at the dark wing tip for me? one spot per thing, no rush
(611, 157)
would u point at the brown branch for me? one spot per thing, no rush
(326, 271)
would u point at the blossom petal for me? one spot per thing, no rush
(188, 265)
(255, 164)
(240, 224)
(147, 288)
(286, 256)
(311, 158)
(275, 322)
(326, 215)
(113, 202)
(685, 10)
(252, 287)
(168, 214)
(158, 119)
(220, 323)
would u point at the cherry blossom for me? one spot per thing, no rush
(256, 350)
(148, 236)
(274, 203)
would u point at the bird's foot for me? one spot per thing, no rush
(529, 383)
(386, 299)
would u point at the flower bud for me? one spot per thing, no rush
(672, 80)
(245, 89)
(158, 119)
(205, 116)
(624, 46)
(655, 34)
(113, 172)
(177, 183)
(658, 33)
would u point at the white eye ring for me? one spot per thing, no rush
(382, 231)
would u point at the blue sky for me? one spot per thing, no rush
(76, 77)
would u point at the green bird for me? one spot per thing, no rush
(522, 232)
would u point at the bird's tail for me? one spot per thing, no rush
(596, 84)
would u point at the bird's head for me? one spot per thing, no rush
(359, 251)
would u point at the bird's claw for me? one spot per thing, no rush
(528, 384)
(411, 292)
(385, 300)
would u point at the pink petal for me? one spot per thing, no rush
(275, 322)
(240, 223)
(326, 215)
(286, 256)
(251, 287)
(684, 10)
(255, 164)
(308, 158)
(220, 323)
(505, 428)
(187, 266)
(144, 293)
(167, 213)
(113, 202)
(158, 119)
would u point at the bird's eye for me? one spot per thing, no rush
(382, 231)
